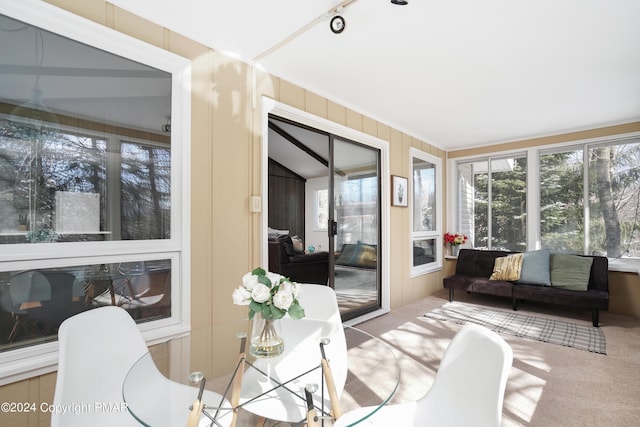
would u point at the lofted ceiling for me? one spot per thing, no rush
(454, 73)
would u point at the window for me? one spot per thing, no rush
(426, 212)
(91, 188)
(562, 200)
(145, 203)
(322, 209)
(609, 223)
(583, 198)
(357, 208)
(60, 188)
(492, 202)
(40, 299)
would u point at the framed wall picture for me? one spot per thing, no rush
(399, 191)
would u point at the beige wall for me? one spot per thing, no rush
(624, 293)
(548, 140)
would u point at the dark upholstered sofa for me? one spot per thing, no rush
(475, 267)
(295, 264)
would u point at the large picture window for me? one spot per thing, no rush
(562, 200)
(599, 215)
(91, 188)
(492, 202)
(426, 212)
(61, 188)
(583, 198)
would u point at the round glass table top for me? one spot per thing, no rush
(364, 373)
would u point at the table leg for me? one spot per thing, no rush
(336, 410)
(237, 381)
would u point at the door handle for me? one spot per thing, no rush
(333, 228)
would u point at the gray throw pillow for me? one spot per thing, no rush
(535, 268)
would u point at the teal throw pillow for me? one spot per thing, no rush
(535, 268)
(570, 271)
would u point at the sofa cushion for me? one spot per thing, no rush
(507, 268)
(535, 268)
(477, 263)
(287, 245)
(298, 244)
(359, 255)
(570, 271)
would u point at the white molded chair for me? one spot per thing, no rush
(468, 389)
(97, 349)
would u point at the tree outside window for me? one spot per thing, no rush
(492, 203)
(613, 195)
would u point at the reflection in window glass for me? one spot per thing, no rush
(146, 192)
(424, 195)
(51, 187)
(322, 209)
(33, 303)
(84, 157)
(424, 251)
(65, 108)
(358, 210)
(426, 233)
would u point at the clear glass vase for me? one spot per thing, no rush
(265, 337)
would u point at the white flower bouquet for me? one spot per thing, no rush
(269, 294)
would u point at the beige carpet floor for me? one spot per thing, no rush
(549, 385)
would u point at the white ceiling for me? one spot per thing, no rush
(306, 152)
(454, 73)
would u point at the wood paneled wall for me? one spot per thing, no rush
(286, 199)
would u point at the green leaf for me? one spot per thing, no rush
(258, 271)
(255, 306)
(276, 313)
(265, 281)
(296, 311)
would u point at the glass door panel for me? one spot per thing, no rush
(356, 230)
(336, 208)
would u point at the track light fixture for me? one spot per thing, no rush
(337, 24)
(400, 2)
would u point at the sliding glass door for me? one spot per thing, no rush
(338, 212)
(355, 226)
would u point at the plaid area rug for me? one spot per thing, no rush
(552, 331)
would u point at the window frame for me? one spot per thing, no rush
(533, 177)
(437, 233)
(319, 226)
(27, 362)
(488, 159)
(586, 147)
